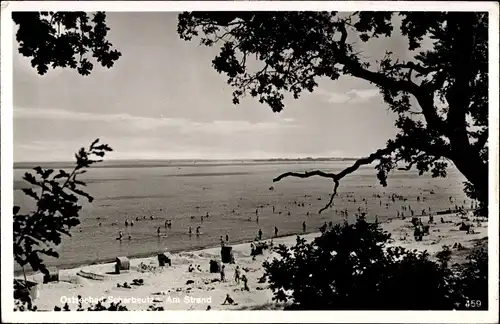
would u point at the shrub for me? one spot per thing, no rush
(349, 268)
(56, 213)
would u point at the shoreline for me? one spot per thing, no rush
(149, 255)
(171, 286)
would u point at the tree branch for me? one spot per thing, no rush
(337, 176)
(424, 98)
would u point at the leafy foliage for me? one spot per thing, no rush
(474, 279)
(57, 209)
(440, 95)
(64, 39)
(350, 268)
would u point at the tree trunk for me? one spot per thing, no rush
(476, 172)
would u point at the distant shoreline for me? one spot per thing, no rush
(177, 163)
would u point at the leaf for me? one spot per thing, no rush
(31, 193)
(62, 174)
(47, 173)
(31, 179)
(94, 143)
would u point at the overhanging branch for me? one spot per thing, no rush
(337, 176)
(425, 98)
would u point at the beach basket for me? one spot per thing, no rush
(122, 264)
(214, 266)
(52, 275)
(164, 259)
(227, 254)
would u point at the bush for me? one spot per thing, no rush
(57, 195)
(349, 268)
(473, 280)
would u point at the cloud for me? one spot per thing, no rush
(182, 125)
(362, 95)
(352, 96)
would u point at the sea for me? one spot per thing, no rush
(233, 194)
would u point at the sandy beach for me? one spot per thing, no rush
(175, 288)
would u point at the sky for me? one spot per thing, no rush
(163, 100)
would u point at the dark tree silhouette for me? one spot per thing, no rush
(37, 232)
(295, 49)
(64, 39)
(350, 267)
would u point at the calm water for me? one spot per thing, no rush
(181, 192)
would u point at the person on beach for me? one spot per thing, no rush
(198, 231)
(228, 300)
(227, 237)
(245, 283)
(222, 274)
(190, 231)
(257, 219)
(126, 223)
(260, 234)
(120, 235)
(158, 231)
(273, 209)
(221, 242)
(256, 212)
(137, 218)
(166, 223)
(237, 275)
(129, 237)
(201, 218)
(100, 224)
(304, 226)
(275, 231)
(131, 223)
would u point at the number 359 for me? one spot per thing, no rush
(473, 303)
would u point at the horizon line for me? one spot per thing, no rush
(201, 159)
